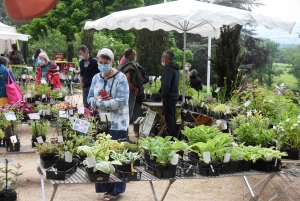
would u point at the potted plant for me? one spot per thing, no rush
(1, 136)
(39, 129)
(47, 152)
(288, 133)
(211, 153)
(8, 185)
(42, 91)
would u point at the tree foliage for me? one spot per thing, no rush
(227, 59)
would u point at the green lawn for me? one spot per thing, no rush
(288, 79)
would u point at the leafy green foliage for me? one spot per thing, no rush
(200, 133)
(38, 128)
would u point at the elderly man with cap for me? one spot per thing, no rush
(47, 72)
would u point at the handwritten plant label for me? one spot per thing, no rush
(226, 158)
(247, 103)
(10, 116)
(81, 125)
(13, 139)
(63, 114)
(81, 110)
(60, 138)
(217, 90)
(206, 156)
(40, 140)
(33, 116)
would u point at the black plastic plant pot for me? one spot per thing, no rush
(267, 166)
(212, 169)
(123, 168)
(137, 162)
(293, 154)
(48, 160)
(229, 168)
(243, 166)
(180, 153)
(186, 169)
(65, 166)
(5, 197)
(55, 174)
(163, 171)
(13, 147)
(97, 176)
(194, 157)
(34, 140)
(129, 176)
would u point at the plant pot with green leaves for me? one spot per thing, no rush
(288, 133)
(48, 153)
(9, 182)
(42, 92)
(39, 129)
(211, 153)
(45, 111)
(253, 130)
(98, 166)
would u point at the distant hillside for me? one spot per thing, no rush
(284, 45)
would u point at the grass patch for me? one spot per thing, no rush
(289, 80)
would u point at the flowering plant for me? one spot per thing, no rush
(289, 132)
(18, 107)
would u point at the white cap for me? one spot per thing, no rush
(107, 52)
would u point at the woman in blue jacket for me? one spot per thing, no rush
(3, 80)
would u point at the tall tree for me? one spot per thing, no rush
(227, 59)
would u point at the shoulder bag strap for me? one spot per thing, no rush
(112, 84)
(9, 78)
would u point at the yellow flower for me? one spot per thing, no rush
(225, 78)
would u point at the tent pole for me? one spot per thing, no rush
(208, 65)
(208, 61)
(184, 60)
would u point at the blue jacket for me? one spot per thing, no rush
(87, 73)
(169, 81)
(3, 80)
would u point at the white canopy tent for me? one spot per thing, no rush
(8, 35)
(186, 16)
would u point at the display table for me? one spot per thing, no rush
(158, 108)
(79, 178)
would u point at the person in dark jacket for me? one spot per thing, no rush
(16, 56)
(137, 111)
(195, 81)
(3, 80)
(133, 76)
(169, 90)
(88, 68)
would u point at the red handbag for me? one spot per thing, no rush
(13, 91)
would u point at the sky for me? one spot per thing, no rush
(283, 9)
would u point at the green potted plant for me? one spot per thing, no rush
(47, 152)
(1, 136)
(8, 185)
(39, 129)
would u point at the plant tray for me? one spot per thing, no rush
(47, 163)
(185, 169)
(229, 168)
(9, 198)
(243, 166)
(97, 177)
(206, 170)
(52, 173)
(293, 154)
(267, 166)
(11, 148)
(169, 172)
(129, 176)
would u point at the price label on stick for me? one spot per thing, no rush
(217, 90)
(13, 139)
(33, 116)
(226, 158)
(269, 158)
(81, 110)
(63, 114)
(68, 157)
(60, 138)
(40, 140)
(247, 103)
(10, 116)
(206, 156)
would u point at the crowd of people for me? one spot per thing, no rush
(118, 92)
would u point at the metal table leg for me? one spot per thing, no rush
(153, 191)
(255, 184)
(266, 183)
(171, 181)
(42, 183)
(55, 186)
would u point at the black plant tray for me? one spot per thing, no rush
(3, 197)
(267, 166)
(206, 170)
(229, 168)
(97, 177)
(47, 161)
(52, 173)
(185, 169)
(169, 172)
(129, 176)
(11, 148)
(243, 166)
(293, 154)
